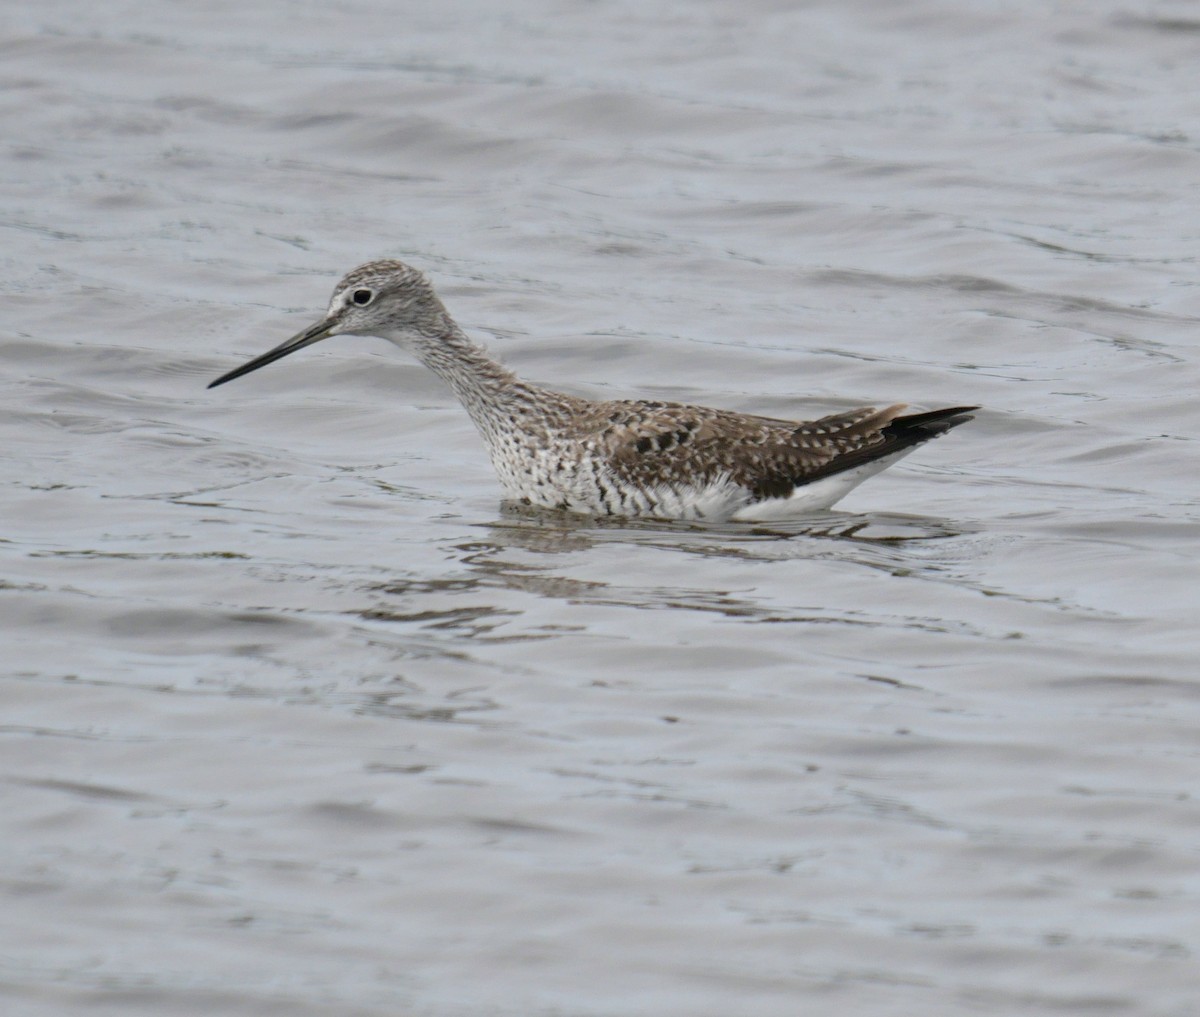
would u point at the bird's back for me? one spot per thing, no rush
(647, 458)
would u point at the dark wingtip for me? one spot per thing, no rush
(899, 433)
(932, 422)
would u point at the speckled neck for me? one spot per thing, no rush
(488, 390)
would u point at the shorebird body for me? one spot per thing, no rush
(620, 457)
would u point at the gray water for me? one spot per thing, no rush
(297, 719)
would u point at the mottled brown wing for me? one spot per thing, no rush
(652, 443)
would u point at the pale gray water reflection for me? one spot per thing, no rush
(297, 719)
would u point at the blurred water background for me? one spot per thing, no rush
(297, 719)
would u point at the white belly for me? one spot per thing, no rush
(815, 497)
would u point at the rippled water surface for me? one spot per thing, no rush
(297, 719)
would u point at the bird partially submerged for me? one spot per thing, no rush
(624, 457)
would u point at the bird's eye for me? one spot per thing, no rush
(362, 297)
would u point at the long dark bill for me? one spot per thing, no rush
(313, 334)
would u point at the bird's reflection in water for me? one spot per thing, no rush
(546, 554)
(536, 576)
(548, 532)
